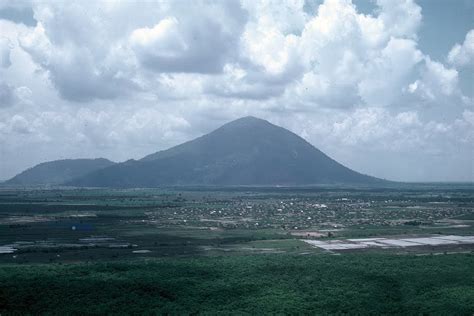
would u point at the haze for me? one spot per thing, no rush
(384, 87)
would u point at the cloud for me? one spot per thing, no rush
(90, 54)
(352, 58)
(75, 71)
(390, 71)
(189, 43)
(400, 18)
(334, 57)
(337, 58)
(378, 128)
(20, 125)
(436, 82)
(68, 43)
(17, 12)
(7, 95)
(289, 17)
(463, 54)
(164, 38)
(5, 47)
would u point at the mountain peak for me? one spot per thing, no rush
(247, 117)
(246, 124)
(248, 120)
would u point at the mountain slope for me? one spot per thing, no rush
(247, 151)
(59, 171)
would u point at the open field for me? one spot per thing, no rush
(291, 250)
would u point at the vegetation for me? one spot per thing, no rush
(354, 284)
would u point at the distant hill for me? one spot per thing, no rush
(59, 171)
(247, 151)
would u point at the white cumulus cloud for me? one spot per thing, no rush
(463, 54)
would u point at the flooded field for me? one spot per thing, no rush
(363, 243)
(7, 249)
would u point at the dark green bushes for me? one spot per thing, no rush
(354, 284)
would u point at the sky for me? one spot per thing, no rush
(384, 87)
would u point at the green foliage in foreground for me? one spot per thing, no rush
(354, 284)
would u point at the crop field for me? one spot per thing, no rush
(112, 239)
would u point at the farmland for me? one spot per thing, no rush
(213, 247)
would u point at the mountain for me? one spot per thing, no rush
(247, 151)
(59, 171)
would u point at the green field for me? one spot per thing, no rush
(233, 251)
